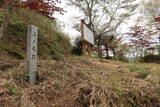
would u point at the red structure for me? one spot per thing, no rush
(4, 2)
(157, 19)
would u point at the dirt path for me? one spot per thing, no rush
(79, 82)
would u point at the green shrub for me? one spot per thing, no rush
(13, 91)
(133, 68)
(24, 77)
(151, 59)
(77, 49)
(140, 69)
(121, 58)
(143, 74)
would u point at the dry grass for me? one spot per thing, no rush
(81, 82)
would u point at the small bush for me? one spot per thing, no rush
(142, 72)
(151, 58)
(77, 49)
(133, 68)
(121, 58)
(13, 91)
(23, 77)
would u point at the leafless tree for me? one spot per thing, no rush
(105, 16)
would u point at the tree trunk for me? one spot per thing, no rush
(99, 47)
(6, 20)
(106, 49)
(114, 52)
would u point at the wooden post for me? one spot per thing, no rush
(32, 53)
(82, 38)
(84, 46)
(89, 50)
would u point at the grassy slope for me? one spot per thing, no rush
(73, 82)
(52, 44)
(82, 81)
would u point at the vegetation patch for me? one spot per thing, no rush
(52, 44)
(151, 58)
(143, 73)
(80, 81)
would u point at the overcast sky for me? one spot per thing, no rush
(67, 20)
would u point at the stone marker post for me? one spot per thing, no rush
(32, 53)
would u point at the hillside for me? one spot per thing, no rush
(52, 43)
(66, 80)
(82, 82)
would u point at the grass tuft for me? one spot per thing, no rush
(143, 73)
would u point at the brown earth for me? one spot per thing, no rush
(77, 82)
